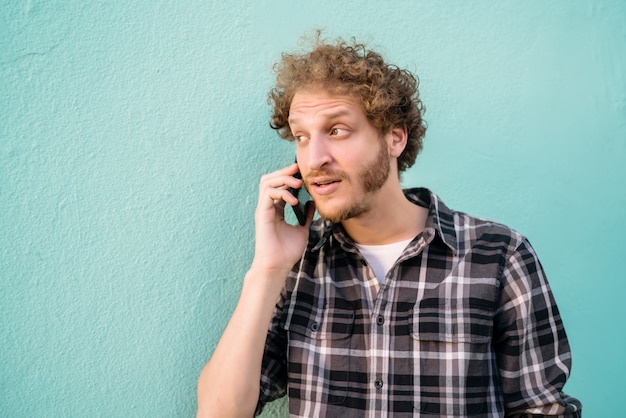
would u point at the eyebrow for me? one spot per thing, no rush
(331, 116)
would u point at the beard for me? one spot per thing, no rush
(371, 178)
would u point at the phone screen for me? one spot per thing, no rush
(303, 198)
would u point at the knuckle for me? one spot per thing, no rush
(264, 179)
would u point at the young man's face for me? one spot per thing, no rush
(343, 159)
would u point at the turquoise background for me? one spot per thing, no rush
(133, 134)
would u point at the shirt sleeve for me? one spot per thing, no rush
(532, 350)
(274, 364)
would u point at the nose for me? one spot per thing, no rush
(317, 152)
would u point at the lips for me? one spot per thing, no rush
(324, 182)
(323, 185)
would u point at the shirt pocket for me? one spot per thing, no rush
(461, 325)
(319, 351)
(453, 364)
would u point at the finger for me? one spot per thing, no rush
(278, 197)
(289, 170)
(280, 182)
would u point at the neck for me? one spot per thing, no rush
(391, 218)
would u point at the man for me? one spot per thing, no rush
(390, 304)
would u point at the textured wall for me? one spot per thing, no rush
(132, 135)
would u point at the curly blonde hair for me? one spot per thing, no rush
(389, 95)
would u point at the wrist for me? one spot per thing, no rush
(266, 278)
(268, 271)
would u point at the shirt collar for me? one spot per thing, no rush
(440, 219)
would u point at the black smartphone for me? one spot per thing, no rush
(303, 198)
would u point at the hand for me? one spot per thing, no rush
(279, 245)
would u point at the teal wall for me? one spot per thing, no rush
(132, 135)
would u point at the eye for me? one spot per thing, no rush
(300, 138)
(338, 131)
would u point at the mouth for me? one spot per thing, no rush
(324, 186)
(324, 183)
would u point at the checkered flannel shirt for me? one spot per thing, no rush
(464, 324)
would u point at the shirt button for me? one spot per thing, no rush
(378, 384)
(315, 326)
(380, 319)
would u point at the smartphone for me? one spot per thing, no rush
(303, 198)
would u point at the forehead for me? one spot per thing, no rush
(310, 103)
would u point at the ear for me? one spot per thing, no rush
(396, 140)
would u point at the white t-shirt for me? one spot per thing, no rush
(382, 257)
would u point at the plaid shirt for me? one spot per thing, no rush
(464, 324)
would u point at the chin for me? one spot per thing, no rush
(330, 214)
(343, 213)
